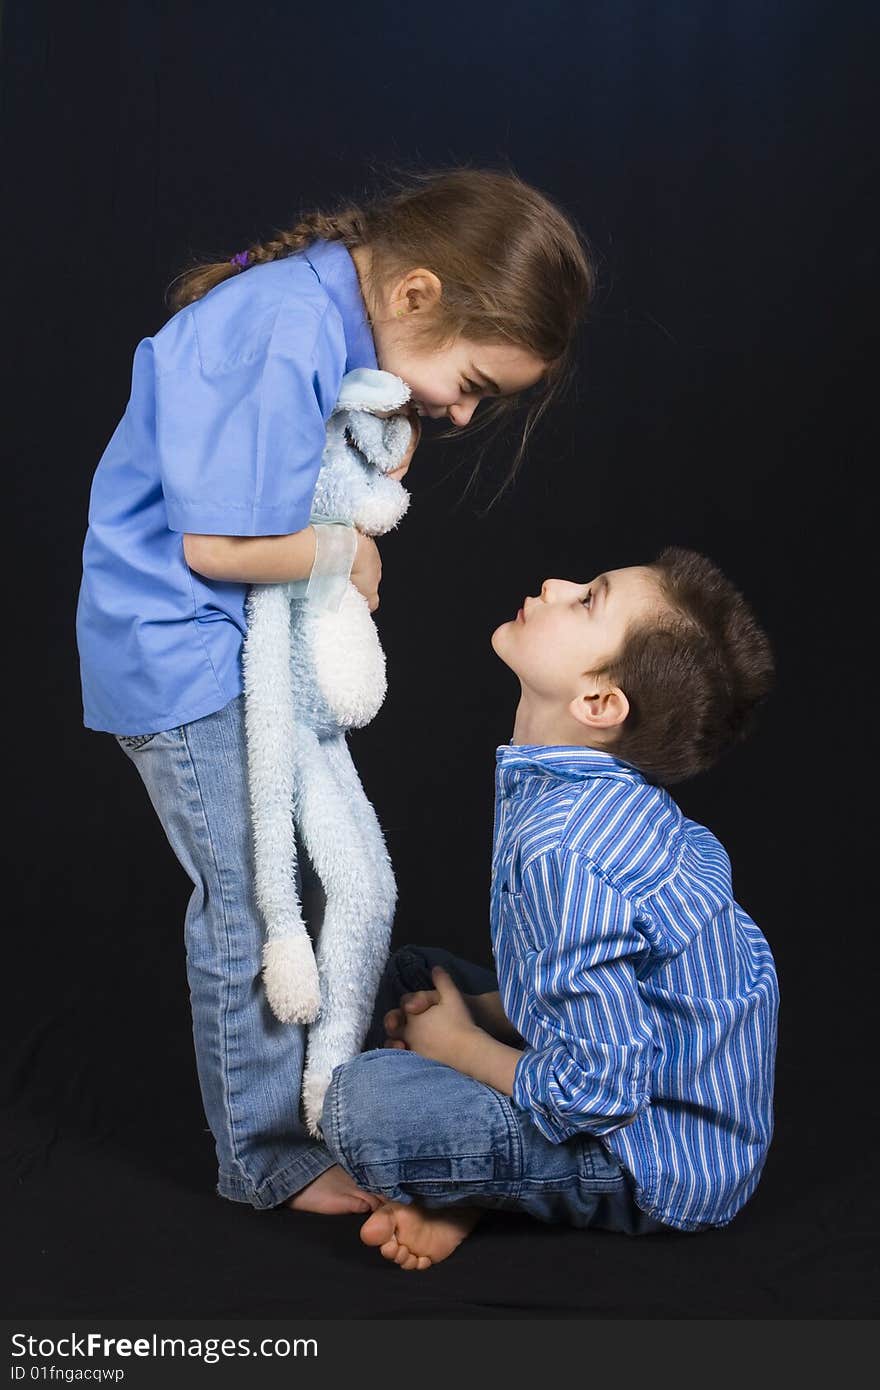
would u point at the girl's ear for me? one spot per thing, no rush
(419, 289)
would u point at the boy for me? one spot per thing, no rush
(622, 1076)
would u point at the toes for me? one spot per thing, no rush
(389, 1249)
(424, 1262)
(378, 1229)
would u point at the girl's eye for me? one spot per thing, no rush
(588, 601)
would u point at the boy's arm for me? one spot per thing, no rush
(488, 1012)
(593, 1072)
(487, 1060)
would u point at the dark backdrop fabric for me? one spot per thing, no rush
(720, 157)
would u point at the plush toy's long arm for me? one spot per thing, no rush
(290, 973)
(347, 848)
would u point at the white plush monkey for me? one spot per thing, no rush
(314, 668)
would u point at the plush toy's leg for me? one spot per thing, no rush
(290, 973)
(347, 848)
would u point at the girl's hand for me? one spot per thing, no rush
(366, 572)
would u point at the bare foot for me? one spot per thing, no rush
(418, 1237)
(333, 1193)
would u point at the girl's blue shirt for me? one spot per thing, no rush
(222, 435)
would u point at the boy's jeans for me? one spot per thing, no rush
(415, 1130)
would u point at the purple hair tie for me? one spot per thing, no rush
(242, 259)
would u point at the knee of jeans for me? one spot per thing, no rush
(370, 1101)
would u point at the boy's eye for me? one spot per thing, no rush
(588, 600)
(470, 386)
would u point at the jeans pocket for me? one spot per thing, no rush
(599, 1168)
(131, 742)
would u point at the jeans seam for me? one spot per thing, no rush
(337, 1147)
(515, 1138)
(227, 1100)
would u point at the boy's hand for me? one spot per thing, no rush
(486, 1011)
(394, 1021)
(432, 1022)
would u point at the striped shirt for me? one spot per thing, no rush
(645, 994)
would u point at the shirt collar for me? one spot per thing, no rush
(337, 272)
(569, 761)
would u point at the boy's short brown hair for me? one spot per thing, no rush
(694, 677)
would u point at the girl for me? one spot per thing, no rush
(468, 284)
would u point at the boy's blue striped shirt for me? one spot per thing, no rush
(646, 995)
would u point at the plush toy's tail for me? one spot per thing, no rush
(290, 973)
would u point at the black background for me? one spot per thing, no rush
(719, 157)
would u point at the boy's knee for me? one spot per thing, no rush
(370, 1101)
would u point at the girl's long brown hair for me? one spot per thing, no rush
(513, 268)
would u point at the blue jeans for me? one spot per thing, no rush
(414, 1130)
(249, 1064)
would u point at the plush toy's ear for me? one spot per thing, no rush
(364, 388)
(381, 443)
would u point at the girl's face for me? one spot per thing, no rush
(451, 381)
(455, 380)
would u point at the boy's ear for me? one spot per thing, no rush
(600, 709)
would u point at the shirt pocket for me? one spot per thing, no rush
(513, 921)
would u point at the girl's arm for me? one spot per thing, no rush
(277, 559)
(252, 559)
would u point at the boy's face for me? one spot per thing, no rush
(558, 640)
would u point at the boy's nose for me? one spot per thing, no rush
(550, 589)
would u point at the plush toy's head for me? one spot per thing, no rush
(361, 450)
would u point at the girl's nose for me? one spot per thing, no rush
(461, 414)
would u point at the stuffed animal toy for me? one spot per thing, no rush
(313, 669)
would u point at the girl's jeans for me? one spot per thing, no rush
(401, 1125)
(249, 1064)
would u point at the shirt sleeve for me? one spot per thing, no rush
(592, 1075)
(240, 443)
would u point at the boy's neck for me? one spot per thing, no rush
(547, 724)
